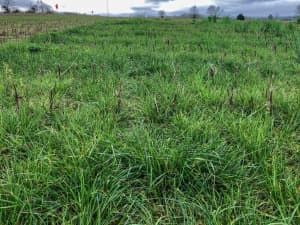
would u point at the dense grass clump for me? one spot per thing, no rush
(132, 121)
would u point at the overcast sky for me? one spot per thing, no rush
(230, 7)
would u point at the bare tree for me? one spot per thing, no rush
(6, 5)
(43, 7)
(34, 8)
(194, 12)
(214, 10)
(270, 17)
(161, 13)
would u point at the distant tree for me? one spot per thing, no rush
(270, 17)
(5, 9)
(161, 14)
(240, 17)
(298, 10)
(194, 12)
(212, 19)
(298, 14)
(33, 9)
(214, 11)
(6, 5)
(44, 8)
(15, 11)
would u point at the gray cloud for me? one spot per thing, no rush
(158, 1)
(243, 1)
(19, 3)
(259, 7)
(144, 11)
(250, 7)
(234, 3)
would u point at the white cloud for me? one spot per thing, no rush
(121, 6)
(249, 7)
(181, 4)
(99, 6)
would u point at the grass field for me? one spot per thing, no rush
(134, 121)
(23, 26)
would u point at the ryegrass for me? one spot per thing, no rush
(151, 122)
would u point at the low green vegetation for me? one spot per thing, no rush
(133, 121)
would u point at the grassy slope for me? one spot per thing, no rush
(180, 151)
(22, 26)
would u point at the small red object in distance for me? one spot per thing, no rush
(56, 6)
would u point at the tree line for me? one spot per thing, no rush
(214, 12)
(8, 6)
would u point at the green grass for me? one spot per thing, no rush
(152, 122)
